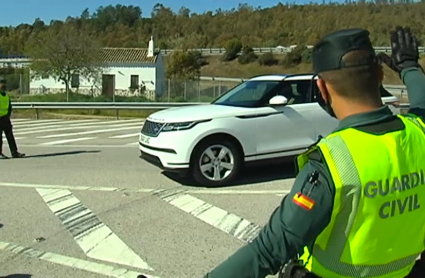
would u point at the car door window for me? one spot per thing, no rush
(296, 92)
(318, 98)
(248, 94)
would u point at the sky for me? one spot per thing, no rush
(15, 12)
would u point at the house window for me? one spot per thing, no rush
(75, 81)
(134, 81)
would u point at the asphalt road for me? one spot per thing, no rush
(91, 208)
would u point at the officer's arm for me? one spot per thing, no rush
(290, 228)
(414, 79)
(9, 111)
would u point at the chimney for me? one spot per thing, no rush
(151, 48)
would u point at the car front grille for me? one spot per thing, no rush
(152, 128)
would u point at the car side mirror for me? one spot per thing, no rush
(278, 101)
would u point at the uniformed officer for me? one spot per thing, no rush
(5, 123)
(357, 206)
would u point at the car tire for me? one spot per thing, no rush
(232, 157)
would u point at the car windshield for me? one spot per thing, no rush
(246, 94)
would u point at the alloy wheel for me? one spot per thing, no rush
(216, 162)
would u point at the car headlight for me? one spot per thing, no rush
(178, 126)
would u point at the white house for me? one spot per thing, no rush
(125, 71)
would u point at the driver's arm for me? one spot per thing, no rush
(290, 228)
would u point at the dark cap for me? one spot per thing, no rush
(328, 52)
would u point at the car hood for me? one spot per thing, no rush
(197, 113)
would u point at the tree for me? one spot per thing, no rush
(184, 65)
(63, 52)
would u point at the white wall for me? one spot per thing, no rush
(123, 74)
(160, 76)
(147, 74)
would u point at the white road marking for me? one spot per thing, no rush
(147, 190)
(132, 143)
(76, 123)
(16, 138)
(20, 119)
(53, 121)
(225, 221)
(70, 127)
(125, 136)
(238, 192)
(94, 146)
(88, 132)
(34, 122)
(22, 128)
(75, 263)
(94, 237)
(68, 141)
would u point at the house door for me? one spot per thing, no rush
(108, 85)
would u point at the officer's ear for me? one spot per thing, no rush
(321, 84)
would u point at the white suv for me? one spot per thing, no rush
(266, 117)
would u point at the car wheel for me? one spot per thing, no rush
(216, 163)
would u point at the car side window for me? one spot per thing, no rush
(254, 92)
(296, 91)
(317, 97)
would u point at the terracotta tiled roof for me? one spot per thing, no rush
(125, 55)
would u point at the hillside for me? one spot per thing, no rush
(126, 26)
(233, 69)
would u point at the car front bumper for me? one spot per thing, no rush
(159, 152)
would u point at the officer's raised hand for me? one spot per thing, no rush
(404, 50)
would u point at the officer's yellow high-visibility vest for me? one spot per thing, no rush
(4, 105)
(377, 227)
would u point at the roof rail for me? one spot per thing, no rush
(268, 74)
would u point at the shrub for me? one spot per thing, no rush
(298, 55)
(233, 47)
(267, 59)
(247, 56)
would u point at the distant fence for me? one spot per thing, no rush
(22, 59)
(205, 89)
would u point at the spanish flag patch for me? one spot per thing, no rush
(303, 201)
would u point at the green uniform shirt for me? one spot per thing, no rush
(9, 112)
(291, 227)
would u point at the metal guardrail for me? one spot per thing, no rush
(113, 105)
(274, 50)
(100, 105)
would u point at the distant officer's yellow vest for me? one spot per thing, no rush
(4, 105)
(377, 228)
